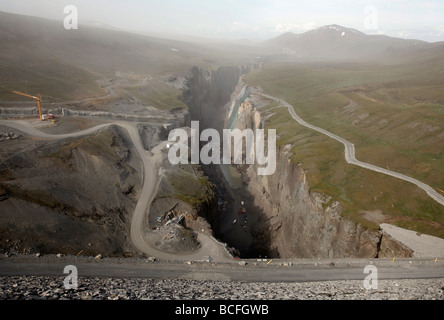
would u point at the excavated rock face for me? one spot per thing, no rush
(70, 196)
(390, 248)
(209, 91)
(300, 223)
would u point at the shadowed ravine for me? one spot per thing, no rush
(209, 98)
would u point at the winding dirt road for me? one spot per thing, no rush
(350, 156)
(210, 247)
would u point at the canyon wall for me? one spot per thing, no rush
(301, 223)
(209, 92)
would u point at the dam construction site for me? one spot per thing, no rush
(312, 166)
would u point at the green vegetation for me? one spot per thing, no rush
(191, 186)
(40, 57)
(395, 117)
(159, 95)
(98, 144)
(52, 80)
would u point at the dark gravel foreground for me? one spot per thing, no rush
(52, 288)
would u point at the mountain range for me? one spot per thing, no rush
(337, 43)
(39, 55)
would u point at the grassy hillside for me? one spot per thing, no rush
(158, 94)
(393, 114)
(40, 56)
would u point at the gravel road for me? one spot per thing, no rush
(26, 277)
(350, 152)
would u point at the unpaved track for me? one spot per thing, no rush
(209, 247)
(350, 152)
(151, 178)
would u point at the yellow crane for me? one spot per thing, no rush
(39, 102)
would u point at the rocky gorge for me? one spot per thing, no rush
(289, 219)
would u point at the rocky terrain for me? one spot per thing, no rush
(52, 288)
(74, 195)
(9, 136)
(184, 202)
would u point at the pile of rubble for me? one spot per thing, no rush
(9, 136)
(172, 233)
(174, 216)
(52, 288)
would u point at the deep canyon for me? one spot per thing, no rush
(285, 219)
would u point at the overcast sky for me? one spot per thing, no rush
(251, 19)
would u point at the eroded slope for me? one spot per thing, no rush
(69, 196)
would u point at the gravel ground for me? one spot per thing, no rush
(52, 288)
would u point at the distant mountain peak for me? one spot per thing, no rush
(334, 27)
(335, 42)
(338, 29)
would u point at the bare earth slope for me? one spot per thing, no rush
(70, 195)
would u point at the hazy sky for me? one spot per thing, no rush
(252, 19)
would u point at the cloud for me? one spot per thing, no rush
(256, 19)
(440, 29)
(292, 27)
(243, 27)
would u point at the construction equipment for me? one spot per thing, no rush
(39, 102)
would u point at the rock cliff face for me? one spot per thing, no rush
(301, 223)
(208, 93)
(294, 222)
